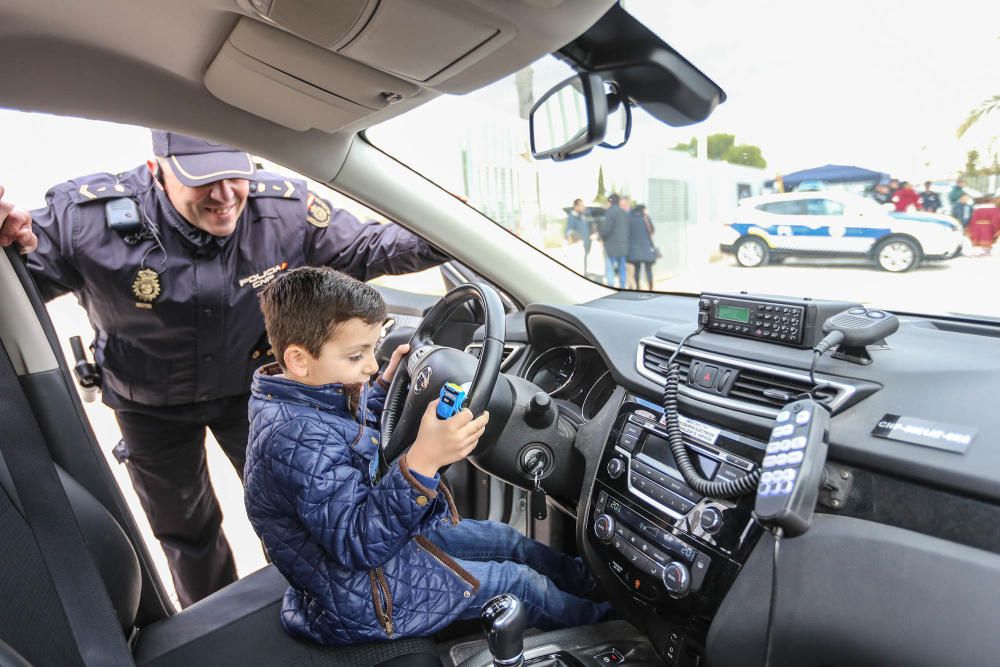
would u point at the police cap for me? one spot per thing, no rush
(197, 161)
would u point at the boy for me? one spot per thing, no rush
(371, 557)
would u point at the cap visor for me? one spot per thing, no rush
(197, 170)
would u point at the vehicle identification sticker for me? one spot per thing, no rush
(949, 437)
(698, 430)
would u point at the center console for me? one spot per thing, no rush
(672, 551)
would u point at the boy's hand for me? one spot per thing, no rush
(443, 441)
(397, 356)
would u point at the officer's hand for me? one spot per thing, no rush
(15, 227)
(397, 355)
(443, 441)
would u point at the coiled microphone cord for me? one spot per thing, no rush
(718, 489)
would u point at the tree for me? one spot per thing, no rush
(602, 196)
(745, 154)
(723, 147)
(972, 163)
(984, 109)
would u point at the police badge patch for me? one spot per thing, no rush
(146, 287)
(317, 211)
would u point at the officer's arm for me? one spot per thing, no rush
(357, 525)
(364, 250)
(52, 263)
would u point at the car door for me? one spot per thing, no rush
(783, 222)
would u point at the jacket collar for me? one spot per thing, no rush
(268, 384)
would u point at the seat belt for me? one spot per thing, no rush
(82, 594)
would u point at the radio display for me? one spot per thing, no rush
(658, 449)
(733, 314)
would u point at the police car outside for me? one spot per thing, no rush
(837, 224)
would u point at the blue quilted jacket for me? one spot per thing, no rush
(352, 546)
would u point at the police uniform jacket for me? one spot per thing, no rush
(175, 311)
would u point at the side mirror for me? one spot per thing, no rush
(570, 119)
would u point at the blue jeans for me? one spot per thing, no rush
(505, 561)
(612, 266)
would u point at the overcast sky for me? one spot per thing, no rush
(883, 86)
(855, 81)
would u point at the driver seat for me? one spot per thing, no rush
(240, 624)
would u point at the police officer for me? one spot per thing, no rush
(168, 259)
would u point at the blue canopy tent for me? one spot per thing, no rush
(834, 173)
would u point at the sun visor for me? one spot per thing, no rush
(292, 82)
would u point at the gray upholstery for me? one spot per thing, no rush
(241, 625)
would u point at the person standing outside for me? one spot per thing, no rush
(168, 259)
(578, 230)
(930, 201)
(641, 251)
(962, 210)
(905, 198)
(956, 191)
(984, 226)
(614, 233)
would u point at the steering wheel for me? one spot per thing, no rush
(427, 367)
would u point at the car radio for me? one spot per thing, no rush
(784, 320)
(658, 536)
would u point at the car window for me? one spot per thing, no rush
(823, 207)
(794, 207)
(692, 178)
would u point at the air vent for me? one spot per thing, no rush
(655, 359)
(762, 388)
(758, 389)
(510, 353)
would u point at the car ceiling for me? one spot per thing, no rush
(147, 63)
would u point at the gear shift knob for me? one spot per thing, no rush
(504, 619)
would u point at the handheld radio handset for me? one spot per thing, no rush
(793, 467)
(857, 327)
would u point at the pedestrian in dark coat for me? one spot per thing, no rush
(641, 251)
(614, 233)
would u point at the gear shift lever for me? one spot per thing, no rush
(503, 622)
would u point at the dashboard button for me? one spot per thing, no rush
(707, 375)
(799, 442)
(782, 431)
(795, 457)
(783, 416)
(803, 417)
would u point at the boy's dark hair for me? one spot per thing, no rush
(306, 305)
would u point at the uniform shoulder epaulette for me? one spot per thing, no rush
(268, 184)
(97, 187)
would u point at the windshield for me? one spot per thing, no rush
(856, 158)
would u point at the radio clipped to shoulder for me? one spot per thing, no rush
(784, 320)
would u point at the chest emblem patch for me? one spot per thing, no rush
(317, 211)
(146, 286)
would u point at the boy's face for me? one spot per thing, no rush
(347, 358)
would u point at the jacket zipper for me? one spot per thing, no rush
(450, 566)
(382, 600)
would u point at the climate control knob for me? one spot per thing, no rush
(604, 528)
(676, 579)
(615, 468)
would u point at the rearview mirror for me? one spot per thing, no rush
(570, 119)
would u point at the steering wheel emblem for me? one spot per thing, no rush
(423, 379)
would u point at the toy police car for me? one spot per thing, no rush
(837, 224)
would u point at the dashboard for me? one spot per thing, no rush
(694, 571)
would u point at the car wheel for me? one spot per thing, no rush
(897, 255)
(752, 252)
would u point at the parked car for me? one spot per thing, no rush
(833, 224)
